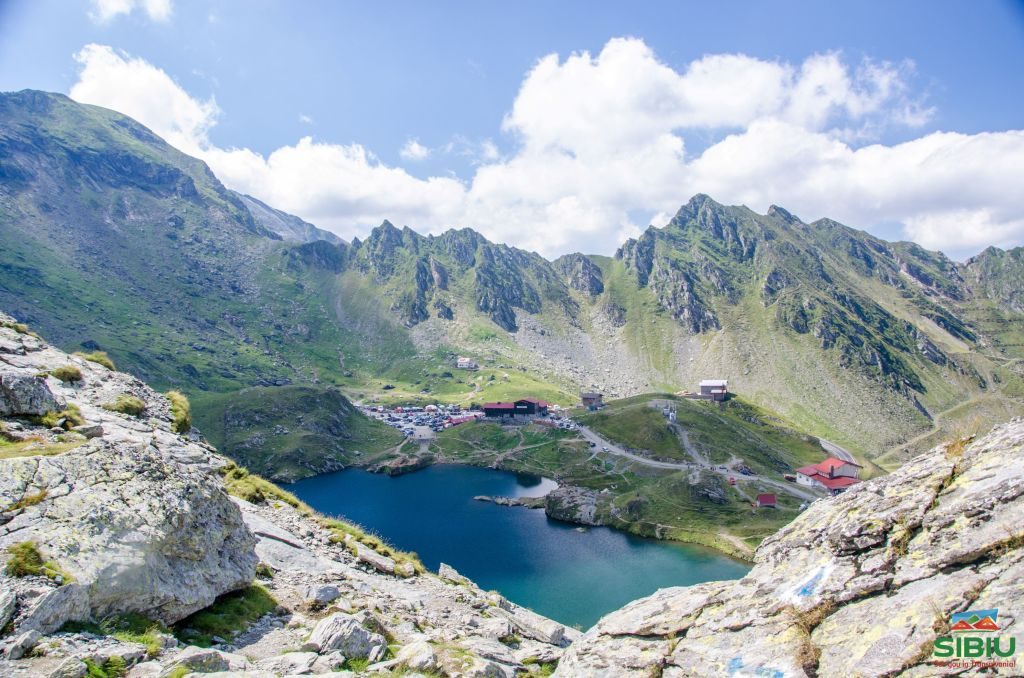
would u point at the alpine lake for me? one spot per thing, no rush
(570, 574)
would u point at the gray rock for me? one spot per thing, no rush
(8, 599)
(206, 660)
(289, 663)
(450, 574)
(20, 645)
(25, 395)
(137, 533)
(375, 560)
(321, 595)
(89, 430)
(47, 609)
(329, 663)
(344, 633)
(418, 656)
(72, 667)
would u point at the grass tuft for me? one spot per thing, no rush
(26, 561)
(69, 374)
(256, 490)
(230, 614)
(98, 357)
(181, 411)
(113, 667)
(129, 628)
(70, 416)
(26, 501)
(127, 404)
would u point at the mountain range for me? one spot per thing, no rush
(110, 239)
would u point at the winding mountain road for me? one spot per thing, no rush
(700, 462)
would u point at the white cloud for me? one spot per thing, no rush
(601, 139)
(414, 150)
(146, 93)
(104, 10)
(305, 119)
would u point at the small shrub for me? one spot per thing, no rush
(179, 672)
(127, 404)
(26, 561)
(69, 374)
(181, 411)
(264, 571)
(98, 357)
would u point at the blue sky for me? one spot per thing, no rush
(364, 80)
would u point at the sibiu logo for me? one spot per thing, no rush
(963, 646)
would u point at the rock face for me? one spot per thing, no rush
(573, 505)
(861, 584)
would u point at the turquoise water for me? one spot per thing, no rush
(571, 576)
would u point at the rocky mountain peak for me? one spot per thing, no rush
(581, 273)
(781, 214)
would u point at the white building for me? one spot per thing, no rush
(715, 389)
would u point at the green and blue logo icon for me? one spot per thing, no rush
(972, 640)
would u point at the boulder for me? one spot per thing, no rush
(205, 660)
(89, 430)
(136, 532)
(418, 656)
(343, 633)
(47, 607)
(451, 575)
(25, 395)
(72, 667)
(289, 663)
(375, 560)
(22, 644)
(321, 595)
(8, 599)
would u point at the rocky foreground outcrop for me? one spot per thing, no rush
(126, 516)
(859, 585)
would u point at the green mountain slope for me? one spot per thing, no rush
(110, 238)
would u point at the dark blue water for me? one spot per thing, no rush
(548, 566)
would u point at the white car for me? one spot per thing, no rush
(604, 448)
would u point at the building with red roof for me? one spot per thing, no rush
(832, 475)
(766, 501)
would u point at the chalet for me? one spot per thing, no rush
(499, 410)
(766, 501)
(464, 363)
(714, 389)
(833, 475)
(524, 407)
(592, 401)
(532, 406)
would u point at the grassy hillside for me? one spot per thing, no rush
(292, 432)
